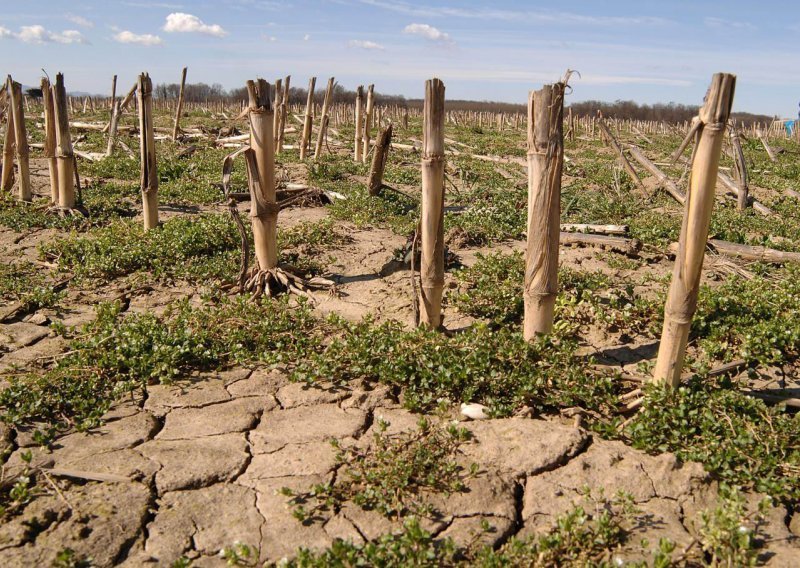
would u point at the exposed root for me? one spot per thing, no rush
(67, 211)
(276, 281)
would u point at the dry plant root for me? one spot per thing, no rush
(76, 211)
(278, 280)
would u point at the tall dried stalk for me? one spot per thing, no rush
(308, 120)
(545, 162)
(685, 285)
(276, 120)
(7, 179)
(50, 138)
(147, 144)
(65, 157)
(432, 262)
(176, 129)
(264, 210)
(112, 129)
(368, 121)
(359, 120)
(284, 110)
(113, 92)
(382, 145)
(742, 189)
(323, 121)
(21, 140)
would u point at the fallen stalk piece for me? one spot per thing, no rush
(621, 158)
(748, 252)
(623, 245)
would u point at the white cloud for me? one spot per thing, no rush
(364, 44)
(306, 37)
(721, 23)
(188, 23)
(5, 32)
(427, 31)
(38, 34)
(126, 36)
(538, 16)
(80, 21)
(153, 5)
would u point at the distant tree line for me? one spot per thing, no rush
(667, 112)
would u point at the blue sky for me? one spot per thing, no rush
(648, 51)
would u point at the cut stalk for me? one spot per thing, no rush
(545, 162)
(176, 129)
(264, 210)
(685, 285)
(359, 120)
(149, 168)
(284, 110)
(323, 122)
(65, 157)
(21, 139)
(368, 121)
(742, 189)
(276, 120)
(432, 262)
(112, 129)
(308, 120)
(50, 138)
(7, 181)
(382, 146)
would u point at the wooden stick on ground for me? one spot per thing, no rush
(176, 129)
(323, 121)
(545, 162)
(770, 151)
(264, 212)
(432, 262)
(382, 145)
(621, 158)
(7, 179)
(668, 185)
(597, 229)
(368, 121)
(734, 189)
(147, 144)
(21, 139)
(308, 120)
(623, 245)
(50, 138)
(65, 157)
(747, 252)
(685, 285)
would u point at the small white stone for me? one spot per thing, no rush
(474, 411)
